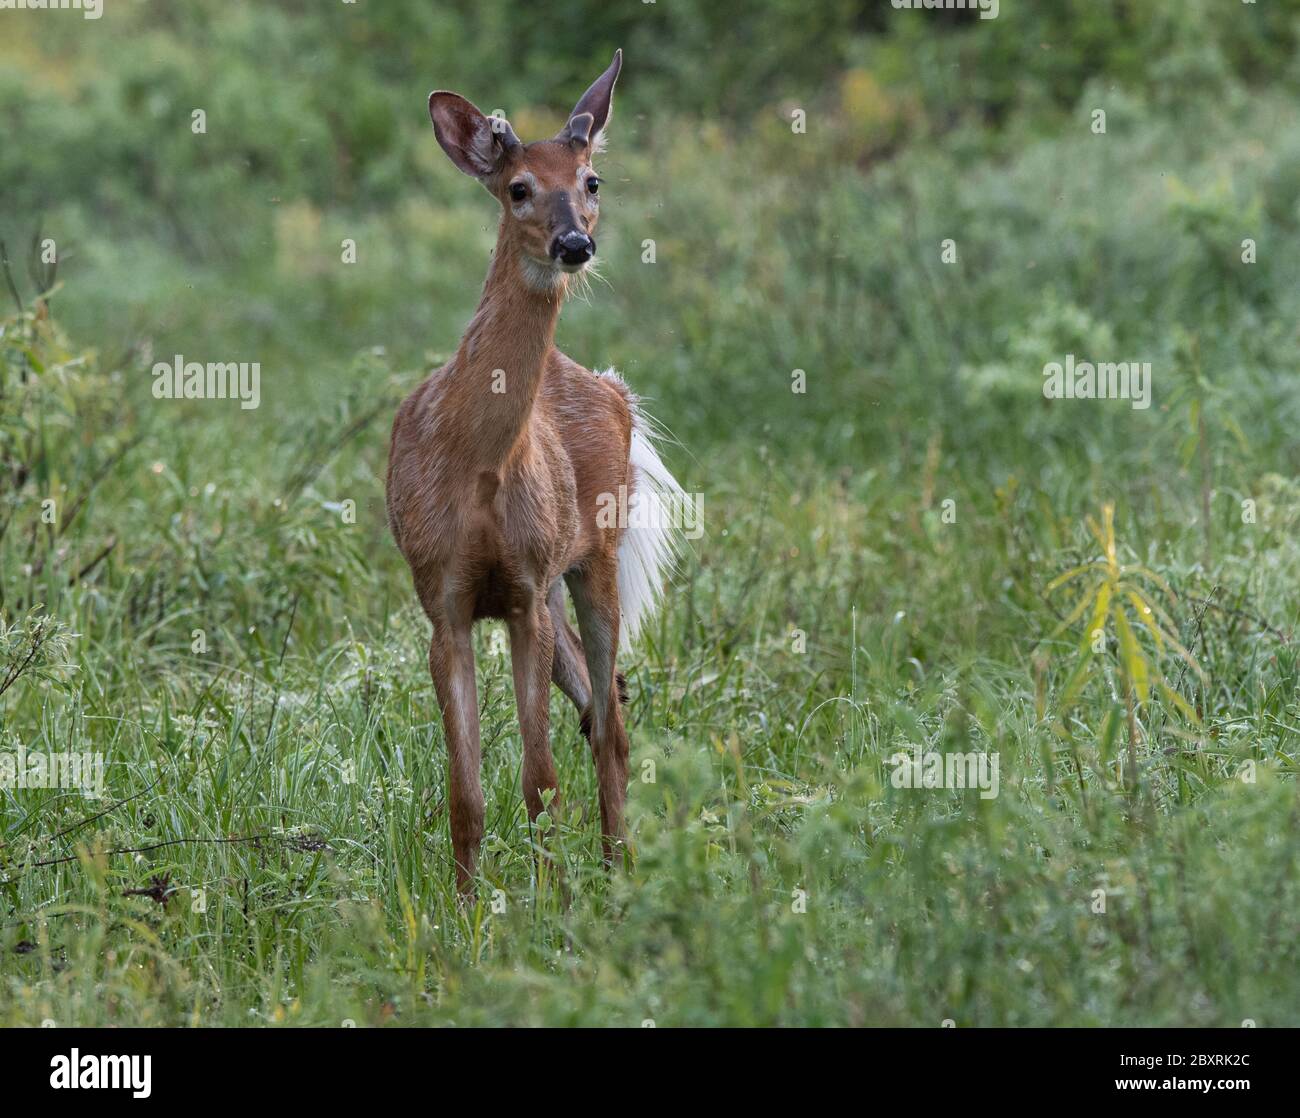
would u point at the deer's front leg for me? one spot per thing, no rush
(532, 649)
(595, 599)
(451, 663)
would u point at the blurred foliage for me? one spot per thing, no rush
(326, 102)
(93, 523)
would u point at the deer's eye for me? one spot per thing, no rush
(518, 191)
(593, 185)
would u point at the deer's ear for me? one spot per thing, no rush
(587, 122)
(465, 134)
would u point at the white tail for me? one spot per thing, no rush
(652, 542)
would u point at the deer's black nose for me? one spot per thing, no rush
(573, 247)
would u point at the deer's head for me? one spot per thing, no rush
(548, 190)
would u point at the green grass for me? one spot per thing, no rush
(777, 876)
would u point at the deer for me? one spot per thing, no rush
(515, 473)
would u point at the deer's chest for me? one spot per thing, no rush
(526, 524)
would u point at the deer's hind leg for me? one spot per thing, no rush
(569, 669)
(595, 598)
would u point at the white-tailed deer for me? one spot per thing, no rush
(505, 464)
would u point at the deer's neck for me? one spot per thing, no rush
(501, 359)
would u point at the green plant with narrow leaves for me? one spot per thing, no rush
(1119, 603)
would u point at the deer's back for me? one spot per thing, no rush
(593, 419)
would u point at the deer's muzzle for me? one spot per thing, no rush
(573, 248)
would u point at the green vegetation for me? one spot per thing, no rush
(883, 560)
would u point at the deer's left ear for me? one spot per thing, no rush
(587, 122)
(475, 143)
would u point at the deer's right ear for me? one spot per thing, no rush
(466, 135)
(587, 122)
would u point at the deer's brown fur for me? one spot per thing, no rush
(497, 465)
